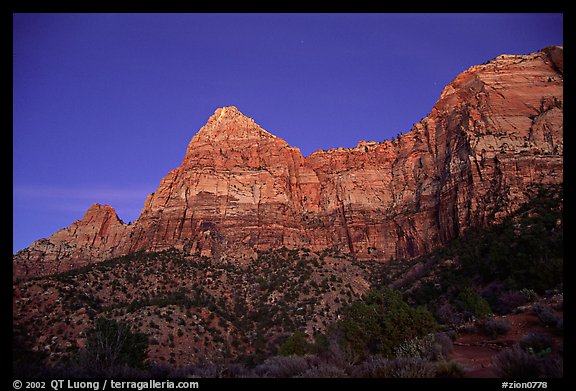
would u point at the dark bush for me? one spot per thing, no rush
(159, 371)
(295, 344)
(559, 305)
(529, 294)
(324, 371)
(430, 347)
(516, 363)
(472, 303)
(449, 369)
(546, 314)
(321, 343)
(380, 367)
(444, 342)
(204, 370)
(235, 370)
(372, 367)
(282, 366)
(112, 345)
(560, 326)
(411, 368)
(552, 368)
(537, 343)
(381, 323)
(526, 252)
(360, 329)
(495, 327)
(421, 347)
(508, 301)
(447, 314)
(212, 370)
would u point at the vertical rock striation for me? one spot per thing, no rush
(495, 132)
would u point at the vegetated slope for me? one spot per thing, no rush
(193, 308)
(499, 288)
(203, 314)
(525, 251)
(251, 249)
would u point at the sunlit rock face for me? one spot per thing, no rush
(495, 132)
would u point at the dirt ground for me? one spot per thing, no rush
(475, 351)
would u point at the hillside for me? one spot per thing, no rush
(197, 312)
(383, 260)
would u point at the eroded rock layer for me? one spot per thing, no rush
(495, 132)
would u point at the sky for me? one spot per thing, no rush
(104, 105)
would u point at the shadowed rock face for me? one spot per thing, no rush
(496, 131)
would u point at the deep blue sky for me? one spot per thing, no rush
(105, 104)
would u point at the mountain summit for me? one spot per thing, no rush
(230, 138)
(495, 133)
(228, 123)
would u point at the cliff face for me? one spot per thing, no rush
(95, 237)
(496, 130)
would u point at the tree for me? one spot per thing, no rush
(380, 323)
(360, 329)
(111, 344)
(295, 344)
(472, 303)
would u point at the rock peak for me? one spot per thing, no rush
(228, 123)
(229, 114)
(96, 207)
(227, 111)
(100, 211)
(231, 138)
(469, 163)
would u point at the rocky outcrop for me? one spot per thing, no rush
(496, 130)
(95, 237)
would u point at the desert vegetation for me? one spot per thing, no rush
(299, 313)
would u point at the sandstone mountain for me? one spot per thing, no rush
(495, 132)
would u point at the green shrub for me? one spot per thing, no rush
(321, 343)
(524, 251)
(380, 323)
(296, 344)
(360, 330)
(470, 301)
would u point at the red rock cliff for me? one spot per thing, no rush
(496, 130)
